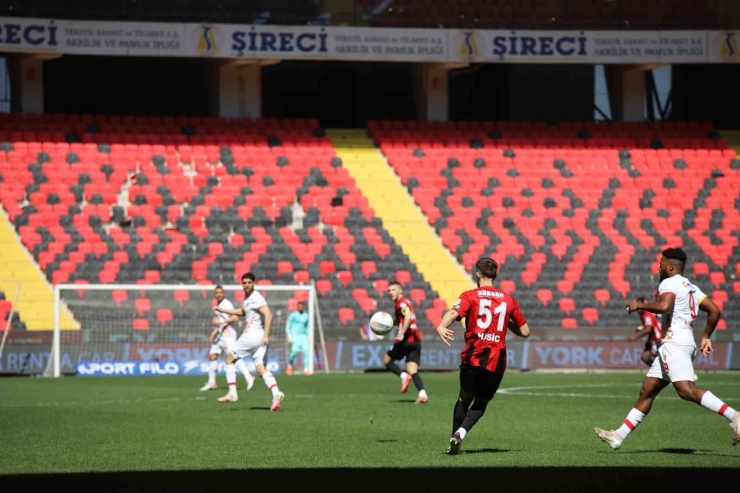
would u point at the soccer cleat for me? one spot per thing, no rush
(250, 383)
(276, 402)
(209, 386)
(455, 444)
(422, 399)
(405, 384)
(609, 436)
(228, 398)
(306, 372)
(735, 425)
(289, 370)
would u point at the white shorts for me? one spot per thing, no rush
(250, 344)
(224, 343)
(674, 363)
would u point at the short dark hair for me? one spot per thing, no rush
(218, 287)
(675, 253)
(248, 275)
(487, 267)
(301, 303)
(395, 283)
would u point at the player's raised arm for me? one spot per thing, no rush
(713, 315)
(663, 305)
(265, 310)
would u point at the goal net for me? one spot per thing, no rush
(164, 329)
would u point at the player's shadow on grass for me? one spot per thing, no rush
(485, 451)
(404, 401)
(259, 408)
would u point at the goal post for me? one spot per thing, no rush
(142, 329)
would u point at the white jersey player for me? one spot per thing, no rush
(253, 341)
(223, 338)
(678, 301)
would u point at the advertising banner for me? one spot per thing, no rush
(151, 368)
(595, 355)
(191, 358)
(578, 46)
(274, 42)
(319, 43)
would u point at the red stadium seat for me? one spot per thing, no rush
(545, 296)
(141, 324)
(164, 316)
(119, 296)
(346, 315)
(323, 287)
(590, 315)
(181, 296)
(142, 306)
(602, 296)
(567, 305)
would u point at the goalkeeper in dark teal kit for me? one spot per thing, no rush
(297, 329)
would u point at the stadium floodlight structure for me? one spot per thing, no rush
(165, 323)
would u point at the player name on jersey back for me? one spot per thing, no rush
(484, 293)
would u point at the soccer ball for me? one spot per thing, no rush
(381, 323)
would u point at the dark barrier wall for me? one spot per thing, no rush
(126, 86)
(706, 93)
(339, 94)
(522, 92)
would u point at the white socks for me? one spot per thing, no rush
(404, 375)
(710, 401)
(212, 369)
(242, 366)
(271, 383)
(422, 393)
(231, 378)
(461, 432)
(634, 418)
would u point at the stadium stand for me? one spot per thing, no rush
(547, 14)
(576, 213)
(6, 306)
(111, 199)
(285, 12)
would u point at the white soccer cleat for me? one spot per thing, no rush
(735, 425)
(209, 386)
(276, 402)
(250, 383)
(228, 398)
(455, 445)
(609, 436)
(422, 399)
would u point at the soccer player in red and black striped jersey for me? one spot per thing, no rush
(488, 313)
(406, 345)
(650, 327)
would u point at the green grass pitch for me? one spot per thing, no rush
(348, 421)
(537, 434)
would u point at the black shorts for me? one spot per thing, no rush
(409, 350)
(482, 382)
